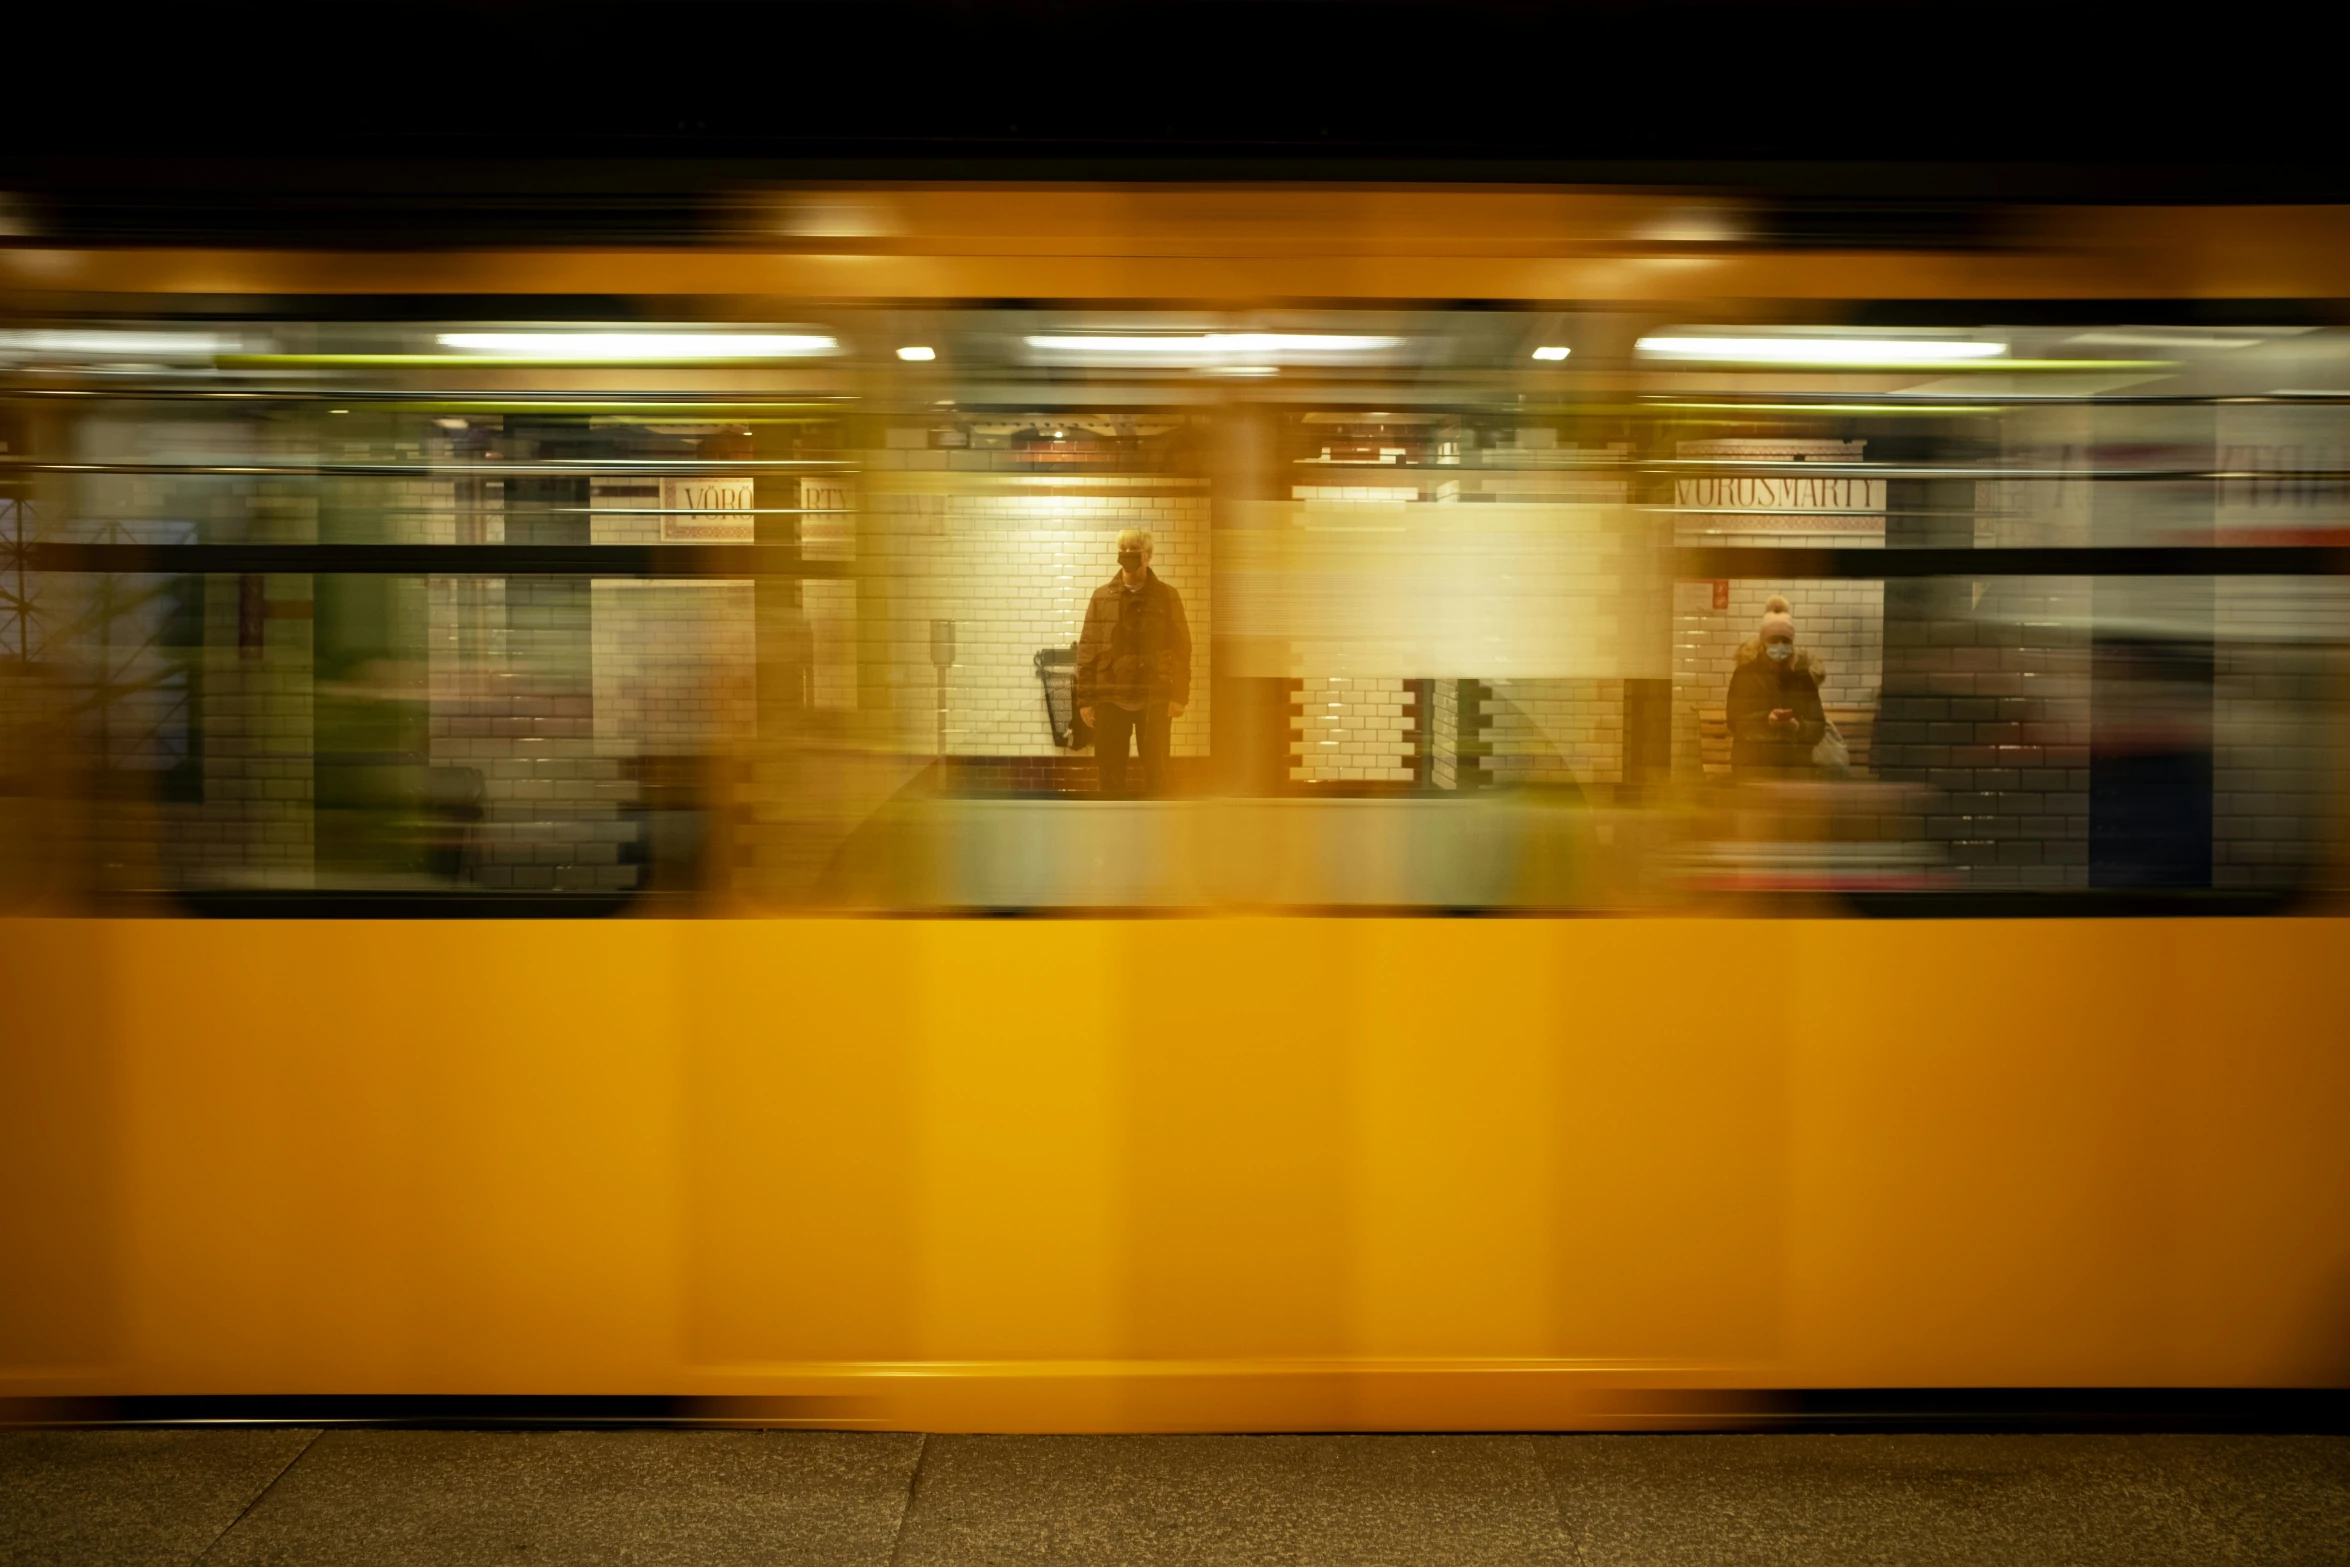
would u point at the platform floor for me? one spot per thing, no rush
(394, 1497)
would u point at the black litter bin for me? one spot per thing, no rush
(1056, 667)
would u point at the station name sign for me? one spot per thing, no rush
(1776, 492)
(707, 511)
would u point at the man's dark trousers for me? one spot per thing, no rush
(1112, 724)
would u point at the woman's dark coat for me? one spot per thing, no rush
(1757, 748)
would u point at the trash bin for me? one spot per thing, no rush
(1056, 668)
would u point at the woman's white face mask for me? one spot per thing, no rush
(1779, 652)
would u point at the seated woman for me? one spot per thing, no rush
(1774, 708)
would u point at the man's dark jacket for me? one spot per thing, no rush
(1136, 647)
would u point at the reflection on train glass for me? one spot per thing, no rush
(1510, 610)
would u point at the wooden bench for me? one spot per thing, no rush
(1857, 725)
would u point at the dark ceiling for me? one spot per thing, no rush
(434, 122)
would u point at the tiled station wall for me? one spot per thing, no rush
(1014, 571)
(1352, 730)
(676, 666)
(2282, 651)
(513, 687)
(1986, 706)
(1988, 696)
(248, 679)
(117, 683)
(254, 823)
(1555, 731)
(2276, 766)
(675, 662)
(1361, 729)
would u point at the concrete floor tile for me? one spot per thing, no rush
(457, 1498)
(1247, 1501)
(1926, 1500)
(129, 1498)
(2265, 1498)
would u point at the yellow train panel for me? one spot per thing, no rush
(1045, 1174)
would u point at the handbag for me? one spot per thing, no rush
(1831, 755)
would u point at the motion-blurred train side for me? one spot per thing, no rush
(547, 846)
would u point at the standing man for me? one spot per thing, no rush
(1133, 667)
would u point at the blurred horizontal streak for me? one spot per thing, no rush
(635, 413)
(1863, 410)
(1589, 1404)
(497, 362)
(1764, 511)
(1298, 243)
(560, 468)
(1818, 901)
(491, 1411)
(1768, 467)
(1921, 366)
(410, 400)
(904, 481)
(1870, 470)
(762, 560)
(441, 560)
(655, 401)
(1772, 562)
(1293, 855)
(1786, 401)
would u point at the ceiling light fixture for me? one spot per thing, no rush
(105, 343)
(1552, 352)
(643, 345)
(2163, 340)
(1833, 351)
(916, 354)
(1200, 344)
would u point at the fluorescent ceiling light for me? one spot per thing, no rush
(2164, 340)
(1203, 344)
(916, 354)
(1822, 350)
(1552, 351)
(1240, 369)
(642, 345)
(103, 344)
(1871, 409)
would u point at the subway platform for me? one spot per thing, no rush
(252, 1495)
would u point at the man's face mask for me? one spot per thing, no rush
(1130, 560)
(1780, 652)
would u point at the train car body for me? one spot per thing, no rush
(674, 951)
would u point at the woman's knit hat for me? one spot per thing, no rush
(1777, 621)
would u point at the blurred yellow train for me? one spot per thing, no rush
(577, 967)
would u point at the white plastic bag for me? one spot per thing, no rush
(1830, 755)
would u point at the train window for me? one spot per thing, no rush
(1395, 609)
